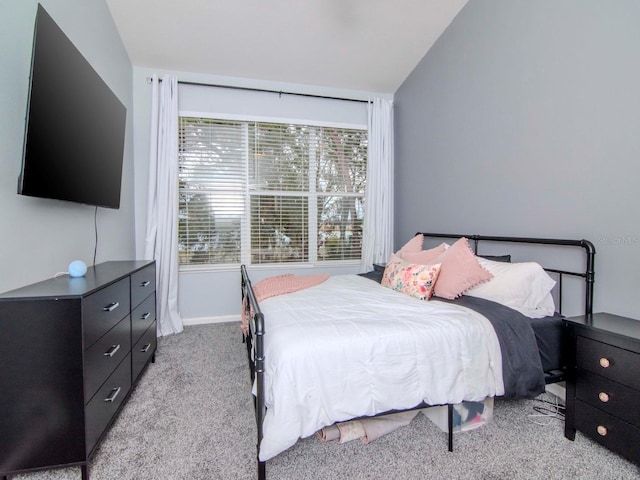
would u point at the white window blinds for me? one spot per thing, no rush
(265, 193)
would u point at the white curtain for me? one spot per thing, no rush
(377, 240)
(161, 241)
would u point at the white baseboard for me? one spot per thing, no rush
(209, 320)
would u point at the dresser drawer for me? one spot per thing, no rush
(143, 284)
(103, 406)
(105, 355)
(143, 350)
(611, 397)
(143, 316)
(611, 362)
(103, 309)
(608, 431)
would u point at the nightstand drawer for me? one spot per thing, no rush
(608, 431)
(104, 356)
(611, 362)
(143, 284)
(611, 397)
(103, 309)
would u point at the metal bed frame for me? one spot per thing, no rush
(254, 340)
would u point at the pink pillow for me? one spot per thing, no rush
(460, 270)
(413, 245)
(409, 278)
(424, 257)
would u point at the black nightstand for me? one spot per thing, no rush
(379, 267)
(603, 381)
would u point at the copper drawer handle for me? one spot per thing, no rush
(602, 430)
(604, 397)
(146, 348)
(604, 362)
(145, 283)
(111, 307)
(113, 395)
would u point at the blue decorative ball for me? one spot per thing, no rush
(77, 268)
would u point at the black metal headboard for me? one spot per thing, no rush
(588, 274)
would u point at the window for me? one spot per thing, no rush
(269, 193)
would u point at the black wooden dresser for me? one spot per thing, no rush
(72, 350)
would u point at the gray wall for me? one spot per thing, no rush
(39, 237)
(524, 120)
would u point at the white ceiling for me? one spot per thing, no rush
(366, 45)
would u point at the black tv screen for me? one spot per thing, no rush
(75, 125)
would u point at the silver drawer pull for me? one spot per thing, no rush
(604, 397)
(113, 395)
(112, 351)
(145, 283)
(604, 362)
(111, 307)
(602, 430)
(144, 316)
(146, 348)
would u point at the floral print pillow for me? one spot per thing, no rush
(410, 278)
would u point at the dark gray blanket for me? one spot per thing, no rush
(522, 371)
(521, 366)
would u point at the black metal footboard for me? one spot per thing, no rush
(255, 354)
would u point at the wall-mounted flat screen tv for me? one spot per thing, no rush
(75, 125)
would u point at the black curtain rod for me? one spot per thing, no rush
(264, 90)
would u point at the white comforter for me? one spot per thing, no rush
(350, 347)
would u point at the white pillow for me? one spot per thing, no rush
(524, 286)
(546, 308)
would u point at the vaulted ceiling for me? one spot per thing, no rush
(366, 45)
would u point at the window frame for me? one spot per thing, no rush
(245, 234)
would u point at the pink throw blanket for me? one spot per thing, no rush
(279, 285)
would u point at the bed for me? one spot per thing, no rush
(349, 347)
